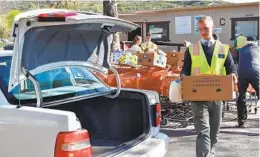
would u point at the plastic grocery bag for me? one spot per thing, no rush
(175, 92)
(128, 58)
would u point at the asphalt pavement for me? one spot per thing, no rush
(233, 141)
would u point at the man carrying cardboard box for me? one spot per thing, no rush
(207, 56)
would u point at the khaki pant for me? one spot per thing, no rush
(207, 117)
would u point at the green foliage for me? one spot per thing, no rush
(128, 6)
(96, 7)
(31, 5)
(123, 6)
(4, 33)
(10, 17)
(71, 5)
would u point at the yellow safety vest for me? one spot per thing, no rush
(241, 41)
(199, 63)
(128, 58)
(136, 48)
(150, 44)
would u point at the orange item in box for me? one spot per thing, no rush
(111, 80)
(122, 69)
(150, 78)
(166, 82)
(128, 79)
(175, 69)
(147, 78)
(101, 77)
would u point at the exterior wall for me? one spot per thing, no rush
(215, 13)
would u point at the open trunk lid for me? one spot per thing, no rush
(49, 38)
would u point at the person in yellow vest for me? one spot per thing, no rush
(240, 41)
(136, 45)
(148, 43)
(130, 55)
(204, 57)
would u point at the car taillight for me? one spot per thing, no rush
(61, 15)
(73, 144)
(158, 115)
(49, 17)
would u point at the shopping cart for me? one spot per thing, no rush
(176, 112)
(251, 97)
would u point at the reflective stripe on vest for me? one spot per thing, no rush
(241, 42)
(199, 61)
(196, 52)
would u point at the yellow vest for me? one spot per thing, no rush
(136, 48)
(199, 63)
(241, 41)
(128, 58)
(150, 44)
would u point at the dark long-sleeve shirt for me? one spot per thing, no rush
(229, 63)
(249, 65)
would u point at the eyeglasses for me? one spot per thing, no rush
(206, 29)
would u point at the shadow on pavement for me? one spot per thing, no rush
(250, 123)
(182, 133)
(178, 133)
(240, 133)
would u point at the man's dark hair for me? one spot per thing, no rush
(148, 34)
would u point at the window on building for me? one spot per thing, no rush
(158, 30)
(137, 31)
(249, 26)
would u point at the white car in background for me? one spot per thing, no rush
(52, 105)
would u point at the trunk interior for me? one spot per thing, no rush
(111, 122)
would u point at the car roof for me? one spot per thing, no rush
(37, 12)
(4, 53)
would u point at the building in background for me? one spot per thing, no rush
(179, 25)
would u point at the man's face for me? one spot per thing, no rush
(139, 41)
(205, 29)
(148, 38)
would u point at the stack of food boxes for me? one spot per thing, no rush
(175, 58)
(115, 56)
(152, 57)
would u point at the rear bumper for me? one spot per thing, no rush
(151, 147)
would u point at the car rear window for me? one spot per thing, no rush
(55, 84)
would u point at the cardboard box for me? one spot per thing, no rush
(172, 59)
(207, 88)
(180, 58)
(152, 59)
(115, 56)
(175, 58)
